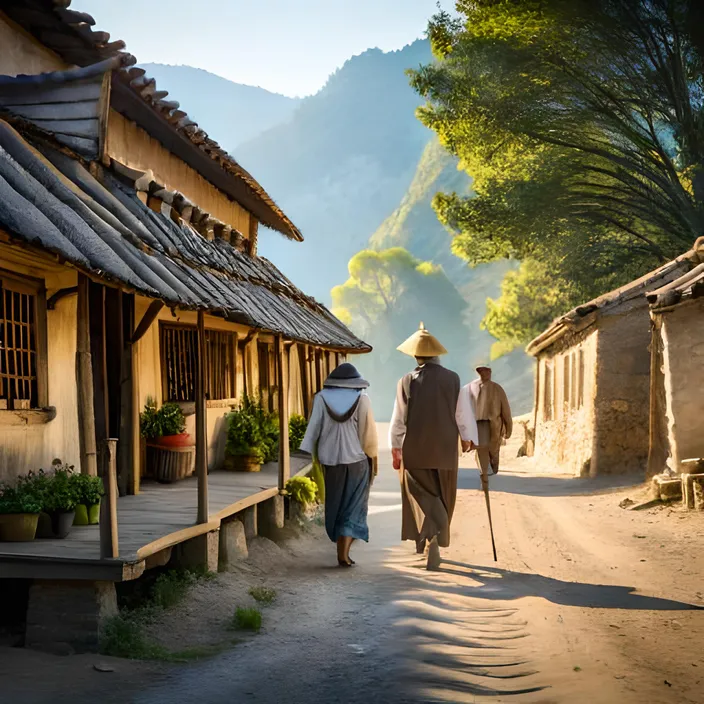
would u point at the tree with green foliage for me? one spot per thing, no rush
(582, 125)
(388, 293)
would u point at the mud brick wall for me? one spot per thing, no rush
(683, 356)
(622, 409)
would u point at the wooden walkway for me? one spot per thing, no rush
(161, 516)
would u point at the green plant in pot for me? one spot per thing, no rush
(89, 491)
(302, 494)
(247, 440)
(20, 507)
(166, 426)
(59, 499)
(297, 426)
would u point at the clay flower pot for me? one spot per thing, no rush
(18, 527)
(243, 463)
(180, 440)
(87, 515)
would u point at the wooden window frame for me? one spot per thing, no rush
(29, 286)
(548, 399)
(229, 340)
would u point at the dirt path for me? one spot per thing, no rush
(587, 603)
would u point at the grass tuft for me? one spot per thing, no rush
(247, 619)
(264, 595)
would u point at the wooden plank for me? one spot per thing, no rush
(84, 383)
(86, 129)
(179, 536)
(82, 110)
(147, 319)
(201, 425)
(16, 95)
(284, 451)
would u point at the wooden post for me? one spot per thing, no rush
(84, 383)
(284, 453)
(109, 539)
(126, 449)
(201, 425)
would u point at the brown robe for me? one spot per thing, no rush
(494, 422)
(424, 426)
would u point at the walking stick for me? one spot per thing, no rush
(485, 486)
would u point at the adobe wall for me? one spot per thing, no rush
(130, 145)
(564, 437)
(21, 53)
(622, 408)
(31, 447)
(683, 357)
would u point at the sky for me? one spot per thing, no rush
(285, 46)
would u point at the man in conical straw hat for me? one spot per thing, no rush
(425, 440)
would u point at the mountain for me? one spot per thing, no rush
(231, 113)
(354, 169)
(341, 164)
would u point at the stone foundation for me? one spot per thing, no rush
(233, 544)
(270, 518)
(200, 552)
(65, 617)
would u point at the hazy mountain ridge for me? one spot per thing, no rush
(231, 113)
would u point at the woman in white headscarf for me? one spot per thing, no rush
(341, 434)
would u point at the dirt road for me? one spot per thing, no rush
(587, 603)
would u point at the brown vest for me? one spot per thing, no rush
(432, 437)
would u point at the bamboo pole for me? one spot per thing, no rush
(284, 452)
(84, 383)
(201, 425)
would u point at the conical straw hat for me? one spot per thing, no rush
(422, 344)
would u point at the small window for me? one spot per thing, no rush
(547, 400)
(566, 383)
(23, 357)
(178, 359)
(580, 380)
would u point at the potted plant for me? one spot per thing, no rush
(302, 493)
(169, 449)
(247, 440)
(89, 491)
(173, 427)
(58, 496)
(297, 426)
(19, 512)
(165, 427)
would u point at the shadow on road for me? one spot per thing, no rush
(537, 485)
(502, 585)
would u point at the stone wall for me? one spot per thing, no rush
(622, 408)
(683, 356)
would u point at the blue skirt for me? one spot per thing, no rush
(346, 500)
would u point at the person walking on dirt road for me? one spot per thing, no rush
(342, 436)
(492, 412)
(425, 439)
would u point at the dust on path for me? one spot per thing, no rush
(588, 603)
